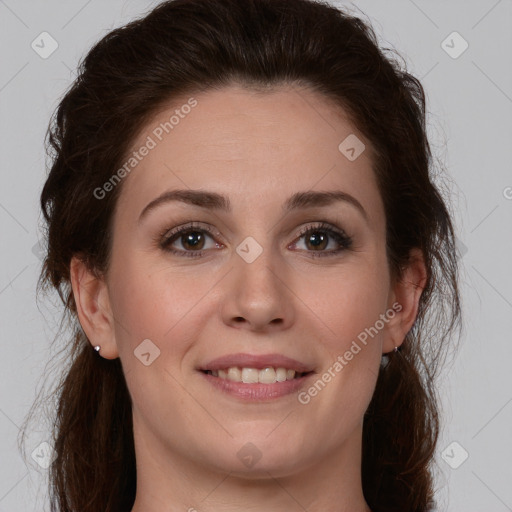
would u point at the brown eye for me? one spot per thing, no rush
(318, 238)
(188, 240)
(192, 240)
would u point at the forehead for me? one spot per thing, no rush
(262, 145)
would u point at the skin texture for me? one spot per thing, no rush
(257, 149)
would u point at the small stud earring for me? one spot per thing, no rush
(395, 349)
(97, 348)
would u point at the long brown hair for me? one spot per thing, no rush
(184, 46)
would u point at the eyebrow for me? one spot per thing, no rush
(215, 201)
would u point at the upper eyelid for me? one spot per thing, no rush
(169, 233)
(212, 232)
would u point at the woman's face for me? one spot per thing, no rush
(284, 268)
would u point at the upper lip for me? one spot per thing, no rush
(258, 361)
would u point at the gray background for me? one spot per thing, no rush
(470, 108)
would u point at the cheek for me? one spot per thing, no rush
(346, 302)
(349, 309)
(157, 304)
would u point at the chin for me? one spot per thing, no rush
(258, 456)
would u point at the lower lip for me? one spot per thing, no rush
(257, 391)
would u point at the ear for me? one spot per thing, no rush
(404, 300)
(93, 308)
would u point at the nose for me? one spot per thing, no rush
(258, 297)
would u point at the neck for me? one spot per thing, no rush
(172, 482)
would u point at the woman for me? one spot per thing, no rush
(243, 226)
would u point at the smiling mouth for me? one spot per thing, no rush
(267, 375)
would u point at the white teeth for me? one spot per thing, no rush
(235, 374)
(281, 374)
(267, 375)
(249, 375)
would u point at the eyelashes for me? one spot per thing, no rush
(195, 235)
(335, 234)
(169, 237)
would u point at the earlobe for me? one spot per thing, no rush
(406, 293)
(93, 308)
